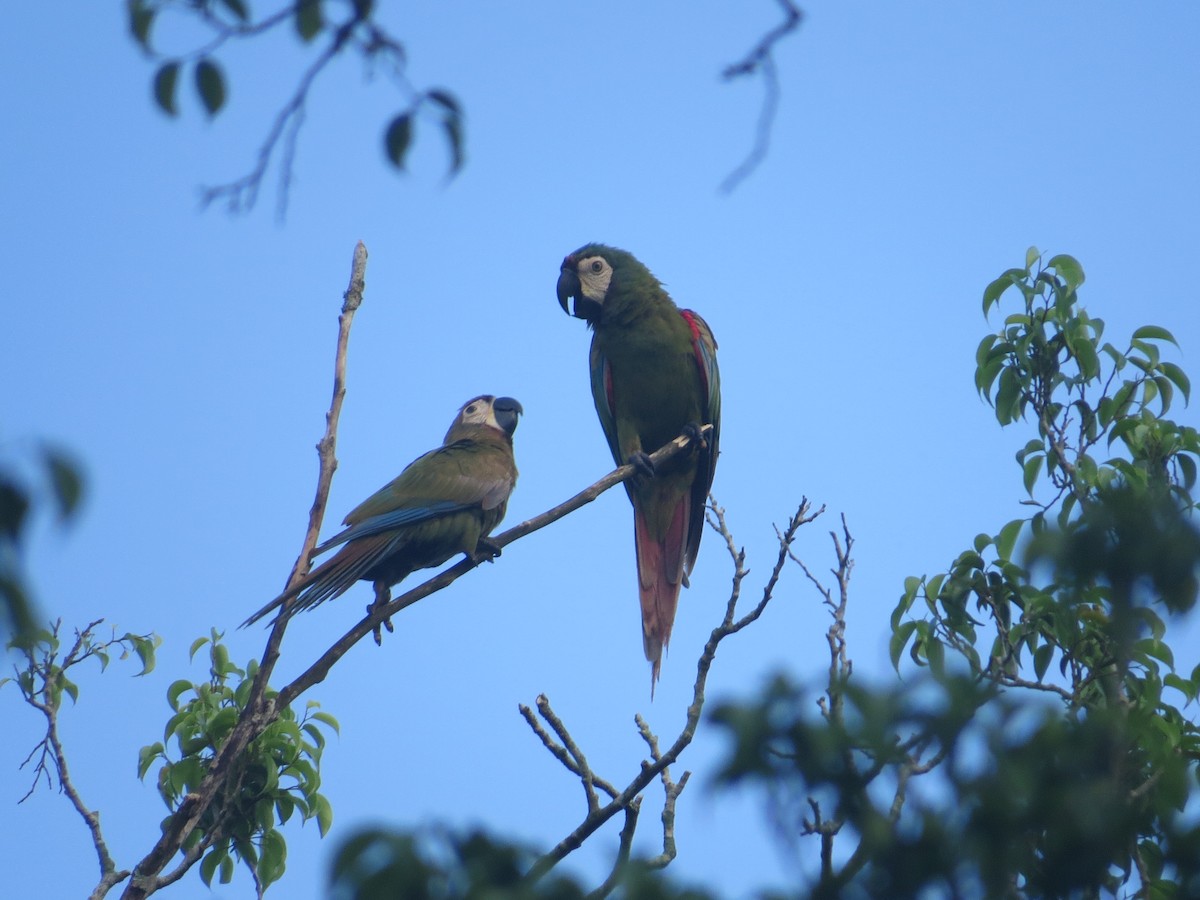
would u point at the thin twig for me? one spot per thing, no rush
(260, 710)
(760, 59)
(659, 763)
(44, 696)
(243, 193)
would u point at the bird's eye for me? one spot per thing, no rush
(470, 410)
(597, 266)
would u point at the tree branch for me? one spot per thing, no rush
(318, 670)
(260, 711)
(43, 691)
(658, 765)
(760, 59)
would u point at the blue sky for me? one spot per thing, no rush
(186, 356)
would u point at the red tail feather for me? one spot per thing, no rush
(660, 573)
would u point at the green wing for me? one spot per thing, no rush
(602, 396)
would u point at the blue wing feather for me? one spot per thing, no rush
(394, 519)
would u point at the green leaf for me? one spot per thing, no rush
(1166, 392)
(220, 660)
(208, 865)
(196, 645)
(65, 480)
(1179, 378)
(165, 80)
(210, 85)
(66, 684)
(1031, 257)
(1007, 538)
(309, 21)
(146, 757)
(899, 641)
(1008, 397)
(982, 542)
(452, 125)
(1157, 649)
(1122, 428)
(324, 813)
(226, 869)
(238, 8)
(328, 720)
(991, 294)
(144, 648)
(1031, 470)
(935, 653)
(1089, 361)
(141, 17)
(175, 690)
(398, 138)
(1187, 470)
(284, 806)
(1041, 660)
(445, 100)
(272, 858)
(1154, 333)
(1184, 686)
(1068, 269)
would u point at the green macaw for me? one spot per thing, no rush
(654, 376)
(445, 502)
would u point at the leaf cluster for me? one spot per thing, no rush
(276, 777)
(42, 677)
(335, 28)
(1047, 704)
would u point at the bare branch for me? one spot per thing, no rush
(242, 194)
(623, 851)
(658, 765)
(568, 752)
(760, 59)
(260, 711)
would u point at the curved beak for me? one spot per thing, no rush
(568, 286)
(506, 410)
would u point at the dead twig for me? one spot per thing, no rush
(628, 800)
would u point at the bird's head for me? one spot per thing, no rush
(495, 412)
(593, 274)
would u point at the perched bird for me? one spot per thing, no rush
(654, 376)
(445, 502)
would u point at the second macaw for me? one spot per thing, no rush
(445, 502)
(654, 376)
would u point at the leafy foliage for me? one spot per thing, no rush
(42, 678)
(331, 30)
(435, 862)
(277, 776)
(49, 475)
(1047, 700)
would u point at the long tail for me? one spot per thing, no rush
(660, 573)
(335, 576)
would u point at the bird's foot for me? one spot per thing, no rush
(641, 461)
(693, 433)
(383, 596)
(486, 550)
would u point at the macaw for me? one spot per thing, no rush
(654, 376)
(444, 502)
